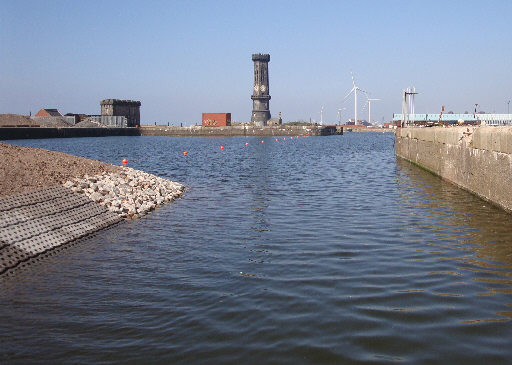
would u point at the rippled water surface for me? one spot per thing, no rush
(310, 250)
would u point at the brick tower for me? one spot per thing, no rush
(260, 97)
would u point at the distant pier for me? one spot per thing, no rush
(233, 131)
(8, 133)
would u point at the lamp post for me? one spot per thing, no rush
(370, 108)
(508, 107)
(339, 114)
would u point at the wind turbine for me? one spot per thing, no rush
(354, 90)
(370, 107)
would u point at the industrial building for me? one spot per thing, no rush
(216, 119)
(52, 118)
(130, 109)
(48, 113)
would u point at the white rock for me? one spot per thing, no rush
(96, 196)
(130, 194)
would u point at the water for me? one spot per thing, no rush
(316, 250)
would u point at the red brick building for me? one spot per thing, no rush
(391, 125)
(353, 126)
(216, 119)
(48, 113)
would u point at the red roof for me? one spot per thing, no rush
(48, 113)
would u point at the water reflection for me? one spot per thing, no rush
(459, 217)
(461, 222)
(260, 184)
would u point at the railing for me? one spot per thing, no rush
(487, 119)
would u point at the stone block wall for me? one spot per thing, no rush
(478, 159)
(230, 131)
(126, 108)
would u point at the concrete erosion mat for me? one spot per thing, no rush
(36, 222)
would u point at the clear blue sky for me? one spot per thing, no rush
(182, 58)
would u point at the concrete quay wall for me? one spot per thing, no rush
(478, 159)
(8, 133)
(372, 130)
(229, 131)
(34, 133)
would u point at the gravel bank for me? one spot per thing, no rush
(16, 120)
(129, 193)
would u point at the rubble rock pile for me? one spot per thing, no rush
(130, 193)
(88, 123)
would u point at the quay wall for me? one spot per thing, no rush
(8, 133)
(477, 159)
(34, 132)
(229, 131)
(372, 130)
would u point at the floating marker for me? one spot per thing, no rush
(262, 141)
(277, 140)
(246, 143)
(125, 161)
(221, 147)
(185, 153)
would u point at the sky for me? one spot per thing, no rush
(183, 58)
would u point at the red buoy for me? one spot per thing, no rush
(262, 141)
(125, 161)
(185, 153)
(246, 143)
(221, 147)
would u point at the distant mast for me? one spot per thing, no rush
(408, 105)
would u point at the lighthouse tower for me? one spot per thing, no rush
(260, 96)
